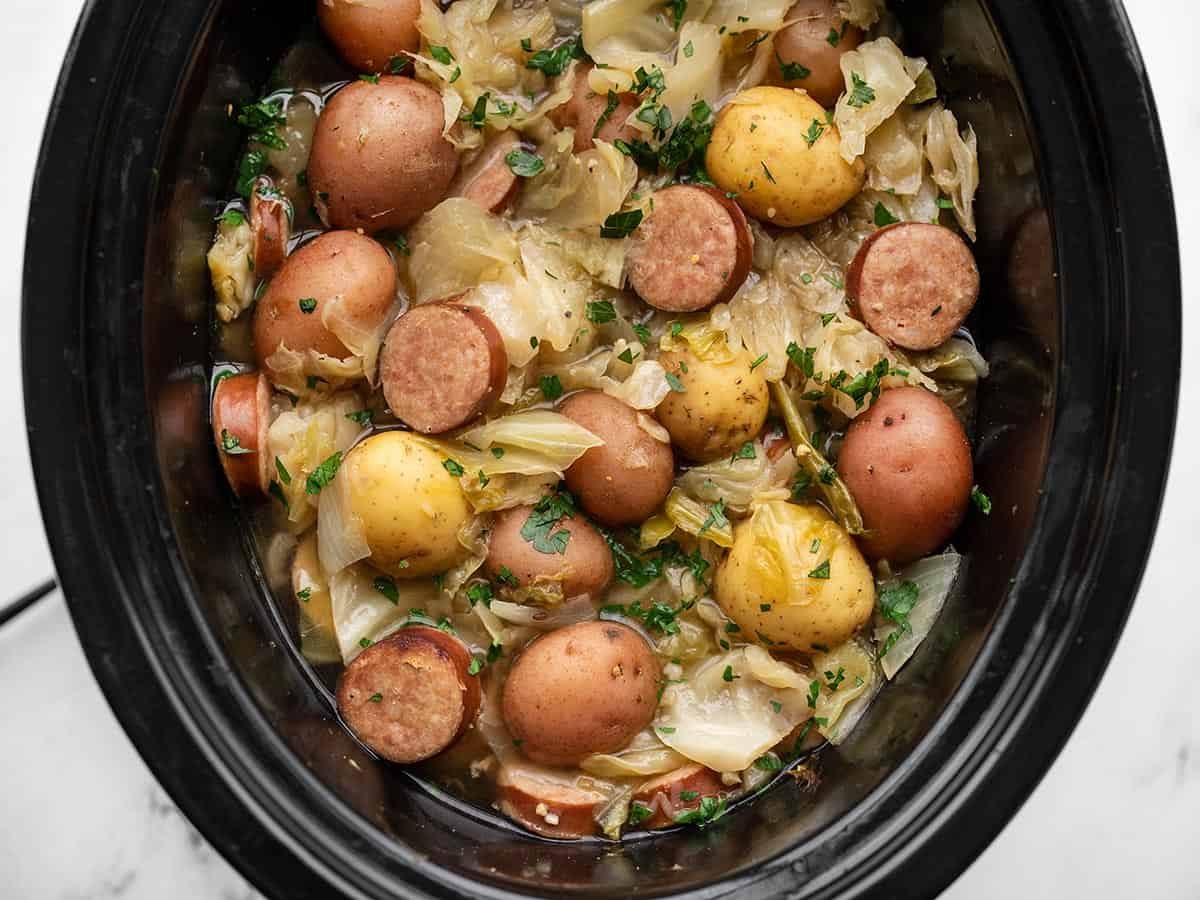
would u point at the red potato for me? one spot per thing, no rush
(627, 479)
(694, 249)
(583, 689)
(338, 264)
(271, 226)
(547, 805)
(907, 463)
(487, 180)
(808, 52)
(584, 567)
(241, 415)
(442, 365)
(410, 696)
(369, 33)
(379, 159)
(669, 795)
(913, 284)
(586, 108)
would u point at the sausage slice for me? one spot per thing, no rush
(409, 697)
(548, 806)
(241, 415)
(913, 284)
(666, 796)
(584, 112)
(487, 180)
(693, 250)
(441, 366)
(270, 225)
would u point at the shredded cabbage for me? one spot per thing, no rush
(361, 611)
(456, 245)
(879, 77)
(955, 161)
(229, 267)
(301, 439)
(536, 442)
(577, 190)
(740, 481)
(862, 13)
(855, 660)
(645, 755)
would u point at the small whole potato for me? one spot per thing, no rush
(722, 405)
(808, 52)
(379, 159)
(587, 688)
(410, 508)
(907, 462)
(339, 266)
(582, 562)
(625, 480)
(368, 35)
(795, 579)
(776, 150)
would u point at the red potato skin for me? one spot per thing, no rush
(662, 795)
(241, 408)
(569, 812)
(583, 689)
(487, 180)
(271, 227)
(693, 250)
(428, 698)
(585, 568)
(907, 462)
(368, 34)
(338, 263)
(806, 42)
(378, 158)
(442, 365)
(627, 479)
(913, 284)
(585, 109)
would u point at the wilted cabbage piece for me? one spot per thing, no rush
(310, 587)
(909, 604)
(740, 480)
(455, 246)
(852, 668)
(229, 267)
(577, 190)
(957, 361)
(307, 373)
(863, 13)
(364, 609)
(536, 442)
(879, 77)
(732, 708)
(955, 161)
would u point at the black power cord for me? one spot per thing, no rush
(14, 608)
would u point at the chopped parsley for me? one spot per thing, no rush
(883, 216)
(363, 417)
(659, 617)
(401, 243)
(396, 65)
(554, 60)
(441, 54)
(232, 217)
(477, 117)
(453, 467)
(758, 362)
(253, 164)
(627, 356)
(480, 592)
(792, 71)
(639, 813)
(639, 571)
(261, 119)
(814, 691)
(802, 359)
(525, 164)
(821, 572)
(678, 9)
(308, 305)
(277, 492)
(370, 79)
(769, 763)
(539, 528)
(304, 594)
(375, 698)
(231, 445)
(895, 604)
(981, 500)
(505, 576)
(675, 383)
(601, 311)
(728, 675)
(815, 130)
(610, 107)
(770, 177)
(386, 585)
(709, 810)
(365, 642)
(284, 475)
(716, 517)
(551, 387)
(642, 332)
(688, 50)
(833, 680)
(621, 224)
(746, 451)
(861, 93)
(498, 452)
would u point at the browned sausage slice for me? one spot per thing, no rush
(410, 696)
(913, 284)
(586, 108)
(691, 251)
(271, 226)
(547, 805)
(241, 415)
(488, 180)
(441, 366)
(666, 796)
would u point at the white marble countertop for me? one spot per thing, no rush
(1118, 815)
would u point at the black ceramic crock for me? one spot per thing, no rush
(1080, 320)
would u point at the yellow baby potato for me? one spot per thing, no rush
(775, 149)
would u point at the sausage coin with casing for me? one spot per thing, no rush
(487, 179)
(271, 226)
(442, 365)
(340, 275)
(583, 689)
(913, 284)
(567, 552)
(410, 696)
(379, 159)
(627, 478)
(369, 35)
(548, 803)
(240, 418)
(693, 250)
(808, 52)
(907, 463)
(667, 796)
(585, 110)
